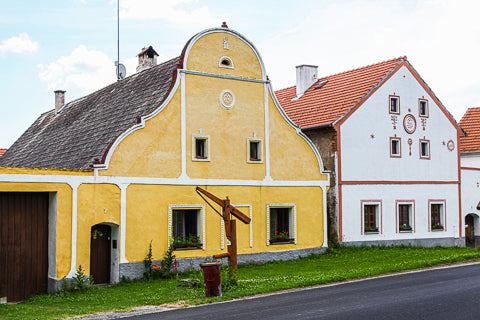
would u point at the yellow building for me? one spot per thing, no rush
(113, 171)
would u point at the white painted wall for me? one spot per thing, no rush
(352, 210)
(471, 194)
(471, 160)
(366, 158)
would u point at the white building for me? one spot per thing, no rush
(392, 148)
(470, 174)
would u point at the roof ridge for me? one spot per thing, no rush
(404, 58)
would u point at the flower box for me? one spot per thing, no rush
(281, 241)
(184, 246)
(371, 230)
(402, 228)
(438, 228)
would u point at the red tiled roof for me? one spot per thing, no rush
(470, 123)
(324, 105)
(2, 151)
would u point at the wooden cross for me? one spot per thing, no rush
(230, 229)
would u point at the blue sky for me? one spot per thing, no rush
(72, 44)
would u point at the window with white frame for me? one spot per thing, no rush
(395, 147)
(200, 148)
(281, 223)
(424, 149)
(225, 62)
(394, 104)
(254, 150)
(185, 231)
(370, 217)
(437, 216)
(405, 216)
(423, 108)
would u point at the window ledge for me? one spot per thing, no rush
(405, 231)
(275, 242)
(195, 247)
(437, 230)
(371, 232)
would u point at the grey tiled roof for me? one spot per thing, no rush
(85, 128)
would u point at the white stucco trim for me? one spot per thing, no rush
(73, 259)
(69, 179)
(324, 212)
(183, 126)
(268, 177)
(200, 207)
(123, 221)
(221, 76)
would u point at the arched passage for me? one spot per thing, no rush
(472, 238)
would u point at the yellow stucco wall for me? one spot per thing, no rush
(207, 51)
(155, 202)
(97, 203)
(291, 156)
(228, 129)
(64, 217)
(153, 151)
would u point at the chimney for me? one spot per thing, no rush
(59, 100)
(307, 75)
(147, 58)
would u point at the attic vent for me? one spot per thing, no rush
(321, 84)
(225, 62)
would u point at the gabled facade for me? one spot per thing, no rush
(118, 168)
(470, 173)
(392, 148)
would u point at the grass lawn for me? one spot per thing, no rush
(335, 265)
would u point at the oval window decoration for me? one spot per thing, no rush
(451, 145)
(409, 123)
(227, 99)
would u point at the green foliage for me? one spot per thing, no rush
(339, 264)
(168, 262)
(80, 280)
(148, 263)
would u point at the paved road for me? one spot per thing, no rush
(451, 293)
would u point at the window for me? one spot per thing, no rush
(394, 105)
(200, 148)
(281, 221)
(405, 216)
(185, 228)
(225, 62)
(423, 108)
(424, 149)
(437, 215)
(254, 150)
(395, 147)
(370, 213)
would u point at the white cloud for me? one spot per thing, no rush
(20, 44)
(179, 12)
(440, 38)
(83, 70)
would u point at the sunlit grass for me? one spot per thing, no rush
(335, 265)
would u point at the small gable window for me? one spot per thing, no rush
(395, 148)
(200, 148)
(254, 150)
(423, 108)
(394, 106)
(225, 62)
(424, 149)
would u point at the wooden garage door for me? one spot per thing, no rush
(23, 244)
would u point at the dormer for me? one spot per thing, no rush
(147, 58)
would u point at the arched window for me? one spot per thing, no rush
(225, 62)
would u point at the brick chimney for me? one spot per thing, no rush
(59, 100)
(147, 58)
(307, 75)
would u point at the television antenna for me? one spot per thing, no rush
(121, 70)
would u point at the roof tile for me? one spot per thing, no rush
(470, 123)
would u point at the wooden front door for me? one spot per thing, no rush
(100, 253)
(469, 231)
(23, 244)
